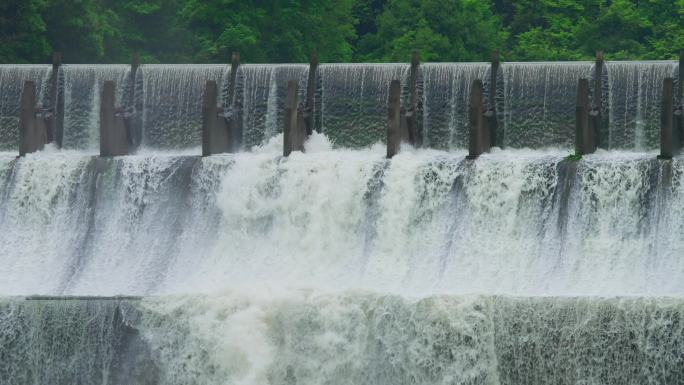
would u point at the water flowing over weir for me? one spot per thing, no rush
(12, 79)
(635, 92)
(82, 91)
(539, 103)
(446, 89)
(351, 105)
(263, 99)
(535, 102)
(172, 103)
(338, 265)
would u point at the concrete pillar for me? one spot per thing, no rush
(596, 118)
(133, 106)
(215, 138)
(307, 113)
(113, 133)
(55, 113)
(491, 114)
(679, 108)
(479, 141)
(394, 119)
(234, 112)
(32, 129)
(413, 136)
(670, 141)
(585, 141)
(294, 132)
(680, 90)
(479, 132)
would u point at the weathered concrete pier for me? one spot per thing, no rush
(215, 127)
(491, 114)
(294, 131)
(306, 112)
(402, 122)
(670, 128)
(597, 120)
(40, 124)
(480, 134)
(585, 134)
(222, 126)
(121, 121)
(396, 124)
(33, 130)
(54, 113)
(114, 136)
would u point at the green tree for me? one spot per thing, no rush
(275, 31)
(170, 31)
(620, 28)
(151, 28)
(442, 30)
(78, 29)
(667, 31)
(23, 32)
(548, 29)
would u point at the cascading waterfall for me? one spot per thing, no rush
(536, 110)
(172, 108)
(539, 100)
(338, 266)
(352, 338)
(82, 93)
(354, 101)
(635, 89)
(12, 79)
(446, 97)
(265, 88)
(143, 225)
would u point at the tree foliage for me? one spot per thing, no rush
(111, 31)
(442, 30)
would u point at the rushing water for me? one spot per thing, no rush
(263, 95)
(12, 79)
(355, 101)
(635, 92)
(514, 222)
(301, 337)
(338, 266)
(172, 108)
(539, 100)
(536, 106)
(82, 93)
(446, 98)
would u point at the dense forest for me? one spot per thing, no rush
(207, 31)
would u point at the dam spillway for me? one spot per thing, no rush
(337, 265)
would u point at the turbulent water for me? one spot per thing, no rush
(301, 337)
(338, 266)
(514, 222)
